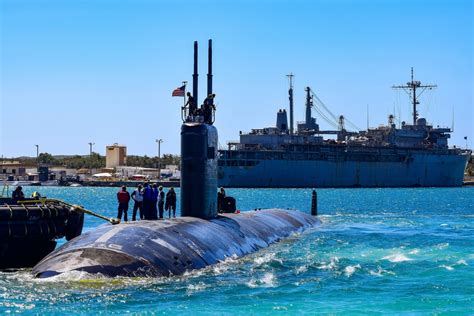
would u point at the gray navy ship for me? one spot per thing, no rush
(412, 155)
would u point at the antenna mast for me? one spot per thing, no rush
(309, 104)
(410, 88)
(290, 93)
(195, 73)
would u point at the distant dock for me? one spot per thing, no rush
(102, 183)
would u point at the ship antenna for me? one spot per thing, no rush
(309, 104)
(410, 88)
(209, 72)
(195, 73)
(290, 93)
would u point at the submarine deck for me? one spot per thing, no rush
(171, 247)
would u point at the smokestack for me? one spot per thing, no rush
(195, 74)
(209, 69)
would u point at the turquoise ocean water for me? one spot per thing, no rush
(377, 251)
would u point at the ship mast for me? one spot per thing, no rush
(309, 104)
(411, 88)
(290, 94)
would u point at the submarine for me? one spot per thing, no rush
(200, 237)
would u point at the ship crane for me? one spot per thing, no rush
(323, 111)
(342, 126)
(410, 88)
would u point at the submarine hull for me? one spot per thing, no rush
(172, 247)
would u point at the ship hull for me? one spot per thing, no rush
(172, 247)
(417, 169)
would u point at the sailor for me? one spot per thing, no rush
(123, 198)
(137, 196)
(171, 202)
(147, 201)
(161, 200)
(191, 104)
(220, 199)
(18, 194)
(153, 210)
(207, 108)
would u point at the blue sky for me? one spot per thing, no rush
(103, 71)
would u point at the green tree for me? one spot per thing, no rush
(96, 161)
(45, 158)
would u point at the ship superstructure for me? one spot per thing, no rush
(412, 155)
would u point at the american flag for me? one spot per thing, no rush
(179, 92)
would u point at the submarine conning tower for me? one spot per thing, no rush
(199, 152)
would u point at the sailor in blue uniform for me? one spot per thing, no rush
(147, 201)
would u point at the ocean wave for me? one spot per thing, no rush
(16, 307)
(397, 257)
(349, 270)
(442, 246)
(301, 269)
(380, 272)
(280, 308)
(461, 262)
(449, 268)
(267, 280)
(331, 265)
(193, 288)
(414, 252)
(266, 258)
(215, 269)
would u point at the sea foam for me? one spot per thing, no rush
(349, 270)
(398, 257)
(267, 280)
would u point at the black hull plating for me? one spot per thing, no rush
(172, 247)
